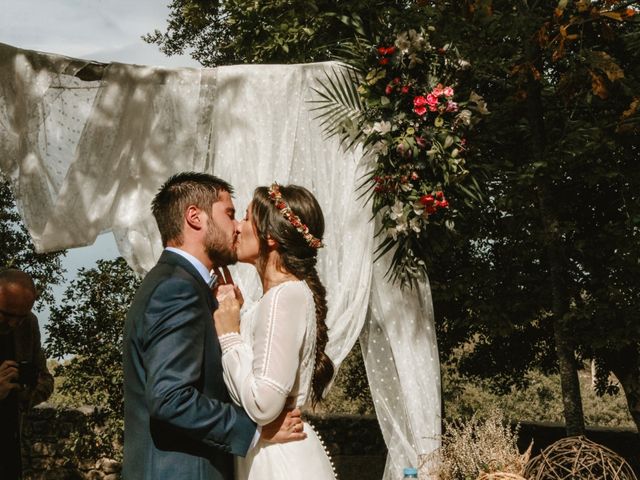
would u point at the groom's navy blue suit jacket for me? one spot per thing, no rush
(179, 420)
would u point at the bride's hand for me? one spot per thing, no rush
(227, 315)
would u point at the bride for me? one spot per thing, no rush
(275, 359)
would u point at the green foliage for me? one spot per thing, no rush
(19, 252)
(86, 332)
(350, 391)
(272, 31)
(540, 401)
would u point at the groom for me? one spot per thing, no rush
(179, 419)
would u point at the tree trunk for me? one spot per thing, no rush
(565, 350)
(626, 368)
(555, 253)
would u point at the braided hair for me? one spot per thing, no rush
(299, 258)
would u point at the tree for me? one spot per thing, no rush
(271, 31)
(86, 333)
(18, 250)
(556, 244)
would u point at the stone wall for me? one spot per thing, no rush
(47, 441)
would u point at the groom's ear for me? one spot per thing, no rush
(193, 217)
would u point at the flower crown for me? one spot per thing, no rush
(276, 197)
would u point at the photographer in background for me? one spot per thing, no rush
(24, 378)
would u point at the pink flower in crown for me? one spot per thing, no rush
(438, 90)
(448, 92)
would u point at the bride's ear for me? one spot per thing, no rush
(271, 243)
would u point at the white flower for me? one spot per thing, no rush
(367, 128)
(463, 64)
(393, 232)
(410, 42)
(481, 105)
(397, 211)
(414, 60)
(350, 127)
(402, 42)
(418, 207)
(406, 187)
(382, 127)
(381, 147)
(418, 42)
(414, 223)
(464, 116)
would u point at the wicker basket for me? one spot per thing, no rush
(578, 458)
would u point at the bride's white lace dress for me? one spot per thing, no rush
(268, 366)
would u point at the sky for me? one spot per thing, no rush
(101, 30)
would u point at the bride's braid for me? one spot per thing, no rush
(299, 258)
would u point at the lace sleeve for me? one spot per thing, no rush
(263, 379)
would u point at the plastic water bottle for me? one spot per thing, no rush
(410, 472)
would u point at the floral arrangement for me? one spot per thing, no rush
(410, 120)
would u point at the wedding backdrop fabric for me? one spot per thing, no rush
(86, 146)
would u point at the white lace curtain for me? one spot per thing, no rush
(87, 156)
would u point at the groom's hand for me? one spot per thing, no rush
(288, 427)
(224, 278)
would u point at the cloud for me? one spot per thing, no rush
(110, 29)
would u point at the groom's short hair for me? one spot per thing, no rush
(177, 193)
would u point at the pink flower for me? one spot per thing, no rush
(438, 90)
(422, 143)
(452, 106)
(432, 100)
(448, 92)
(420, 110)
(405, 89)
(419, 101)
(388, 90)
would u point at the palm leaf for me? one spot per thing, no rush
(338, 102)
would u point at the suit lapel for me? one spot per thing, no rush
(172, 258)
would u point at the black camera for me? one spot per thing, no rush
(27, 374)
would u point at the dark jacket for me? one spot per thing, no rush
(28, 348)
(179, 420)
